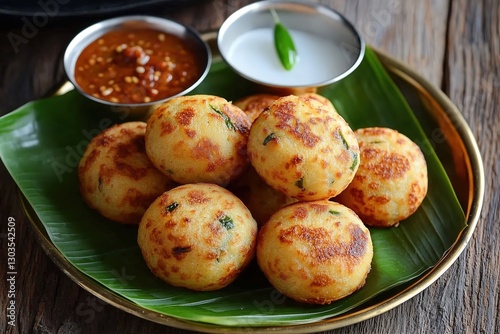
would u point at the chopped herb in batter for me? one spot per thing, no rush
(229, 124)
(300, 183)
(355, 161)
(333, 212)
(181, 249)
(269, 138)
(344, 141)
(172, 206)
(227, 222)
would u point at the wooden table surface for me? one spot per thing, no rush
(455, 44)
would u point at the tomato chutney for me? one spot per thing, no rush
(133, 66)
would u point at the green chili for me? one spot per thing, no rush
(283, 42)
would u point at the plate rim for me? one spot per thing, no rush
(475, 173)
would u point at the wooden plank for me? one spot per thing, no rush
(472, 80)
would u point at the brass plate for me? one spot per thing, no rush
(466, 166)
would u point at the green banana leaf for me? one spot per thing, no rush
(41, 144)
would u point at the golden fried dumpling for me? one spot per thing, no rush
(315, 252)
(258, 196)
(321, 99)
(284, 91)
(116, 177)
(304, 149)
(198, 138)
(254, 104)
(197, 236)
(391, 181)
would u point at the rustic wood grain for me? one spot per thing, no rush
(411, 31)
(473, 83)
(454, 44)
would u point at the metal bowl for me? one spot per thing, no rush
(335, 40)
(92, 33)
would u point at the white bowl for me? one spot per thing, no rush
(329, 47)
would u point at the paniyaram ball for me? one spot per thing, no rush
(391, 181)
(320, 98)
(303, 149)
(198, 138)
(254, 104)
(116, 177)
(258, 196)
(197, 236)
(315, 252)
